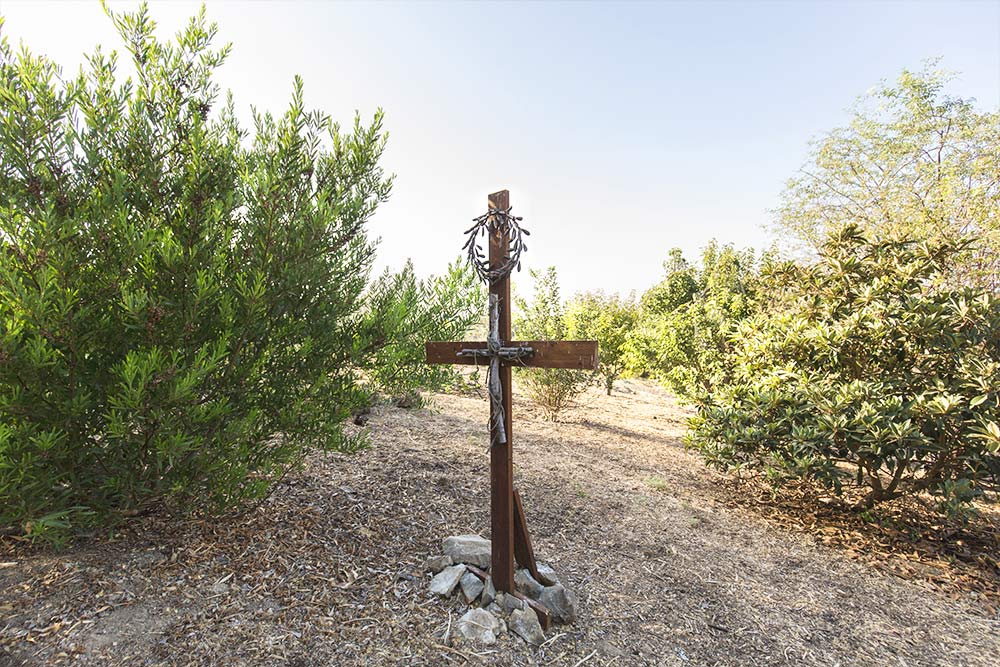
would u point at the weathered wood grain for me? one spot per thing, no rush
(502, 455)
(524, 553)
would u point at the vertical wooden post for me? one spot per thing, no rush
(501, 456)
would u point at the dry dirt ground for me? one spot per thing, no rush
(327, 571)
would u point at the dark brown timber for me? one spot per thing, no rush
(544, 619)
(523, 551)
(501, 455)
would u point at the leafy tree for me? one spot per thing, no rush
(685, 320)
(178, 298)
(609, 320)
(863, 370)
(543, 318)
(678, 287)
(402, 312)
(913, 160)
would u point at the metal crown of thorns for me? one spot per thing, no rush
(494, 221)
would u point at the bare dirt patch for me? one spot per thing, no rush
(671, 570)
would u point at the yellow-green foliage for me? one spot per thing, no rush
(912, 161)
(684, 321)
(543, 318)
(863, 368)
(609, 320)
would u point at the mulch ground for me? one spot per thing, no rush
(674, 563)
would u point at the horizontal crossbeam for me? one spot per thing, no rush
(579, 354)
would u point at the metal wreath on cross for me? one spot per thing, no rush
(500, 222)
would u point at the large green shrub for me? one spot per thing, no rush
(178, 299)
(864, 369)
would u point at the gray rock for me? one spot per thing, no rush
(494, 609)
(609, 649)
(437, 563)
(470, 549)
(489, 593)
(479, 626)
(560, 602)
(444, 582)
(151, 558)
(509, 603)
(524, 623)
(471, 586)
(524, 582)
(546, 575)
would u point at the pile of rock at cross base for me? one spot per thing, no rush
(487, 613)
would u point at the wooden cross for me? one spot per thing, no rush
(508, 532)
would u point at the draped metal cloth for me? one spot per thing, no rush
(492, 222)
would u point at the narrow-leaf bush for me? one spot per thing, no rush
(402, 312)
(178, 297)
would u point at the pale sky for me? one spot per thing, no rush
(621, 130)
